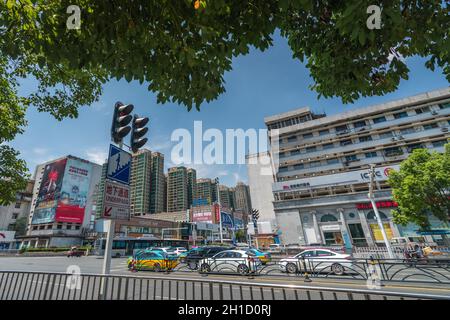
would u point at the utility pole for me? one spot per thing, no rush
(377, 214)
(220, 211)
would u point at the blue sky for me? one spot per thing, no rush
(260, 84)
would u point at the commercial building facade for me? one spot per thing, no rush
(140, 182)
(63, 202)
(158, 184)
(177, 189)
(320, 192)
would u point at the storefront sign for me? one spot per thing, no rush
(353, 177)
(334, 227)
(380, 204)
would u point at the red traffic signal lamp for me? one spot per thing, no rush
(138, 130)
(121, 120)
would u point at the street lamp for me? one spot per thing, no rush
(377, 214)
(216, 181)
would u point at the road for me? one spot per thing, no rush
(93, 265)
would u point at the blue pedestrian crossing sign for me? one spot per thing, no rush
(119, 165)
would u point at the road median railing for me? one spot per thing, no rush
(376, 270)
(63, 286)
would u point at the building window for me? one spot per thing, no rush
(346, 142)
(292, 139)
(328, 218)
(314, 164)
(311, 149)
(351, 158)
(299, 166)
(282, 155)
(17, 205)
(15, 216)
(371, 215)
(307, 135)
(59, 226)
(324, 132)
(372, 154)
(359, 124)
(77, 227)
(365, 139)
(414, 146)
(439, 143)
(422, 110)
(385, 135)
(444, 105)
(41, 227)
(332, 161)
(379, 119)
(341, 128)
(400, 115)
(69, 227)
(407, 131)
(295, 152)
(328, 146)
(394, 151)
(35, 227)
(283, 169)
(430, 126)
(49, 226)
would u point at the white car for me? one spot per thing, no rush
(240, 261)
(317, 260)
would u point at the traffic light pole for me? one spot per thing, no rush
(377, 214)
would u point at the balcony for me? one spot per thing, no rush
(327, 167)
(388, 123)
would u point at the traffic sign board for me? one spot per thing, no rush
(116, 201)
(119, 165)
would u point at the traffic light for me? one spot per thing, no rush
(255, 215)
(121, 119)
(137, 132)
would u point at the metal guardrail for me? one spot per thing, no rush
(62, 286)
(382, 270)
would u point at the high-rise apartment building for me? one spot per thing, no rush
(206, 191)
(158, 188)
(225, 197)
(177, 189)
(100, 192)
(192, 185)
(242, 195)
(140, 182)
(322, 177)
(13, 214)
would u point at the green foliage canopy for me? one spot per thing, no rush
(422, 186)
(182, 53)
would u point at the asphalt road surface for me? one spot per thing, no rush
(93, 265)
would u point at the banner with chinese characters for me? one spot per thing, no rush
(116, 201)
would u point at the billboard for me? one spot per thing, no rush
(205, 216)
(49, 191)
(74, 192)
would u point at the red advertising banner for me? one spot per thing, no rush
(380, 204)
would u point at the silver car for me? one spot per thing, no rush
(240, 261)
(317, 260)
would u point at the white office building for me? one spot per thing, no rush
(321, 187)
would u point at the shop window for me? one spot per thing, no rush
(357, 234)
(371, 215)
(328, 218)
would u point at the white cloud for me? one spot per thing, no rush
(96, 156)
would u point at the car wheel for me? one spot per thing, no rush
(157, 267)
(205, 268)
(243, 269)
(291, 268)
(192, 265)
(337, 269)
